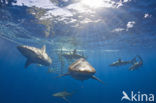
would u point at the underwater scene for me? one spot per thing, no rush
(77, 51)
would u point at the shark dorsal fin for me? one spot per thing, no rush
(43, 48)
(27, 63)
(65, 89)
(74, 52)
(119, 60)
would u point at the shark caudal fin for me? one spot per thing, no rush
(94, 77)
(66, 99)
(133, 60)
(43, 48)
(27, 63)
(141, 60)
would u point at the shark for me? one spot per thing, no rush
(120, 62)
(137, 64)
(63, 94)
(81, 70)
(35, 55)
(73, 55)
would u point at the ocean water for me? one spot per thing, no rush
(103, 31)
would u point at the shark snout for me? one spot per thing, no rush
(20, 48)
(49, 61)
(54, 95)
(23, 50)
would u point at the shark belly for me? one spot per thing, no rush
(81, 75)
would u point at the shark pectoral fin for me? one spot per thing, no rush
(50, 70)
(66, 99)
(61, 75)
(28, 62)
(131, 68)
(43, 48)
(39, 65)
(94, 77)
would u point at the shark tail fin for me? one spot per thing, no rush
(131, 68)
(27, 63)
(94, 77)
(140, 58)
(43, 48)
(66, 99)
(133, 60)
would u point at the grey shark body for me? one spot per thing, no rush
(73, 55)
(35, 55)
(63, 95)
(81, 70)
(119, 62)
(137, 64)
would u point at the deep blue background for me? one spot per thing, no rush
(36, 85)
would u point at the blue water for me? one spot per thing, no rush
(96, 40)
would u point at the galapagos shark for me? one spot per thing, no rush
(35, 55)
(137, 64)
(120, 62)
(73, 55)
(63, 95)
(81, 70)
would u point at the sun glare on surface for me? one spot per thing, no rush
(94, 3)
